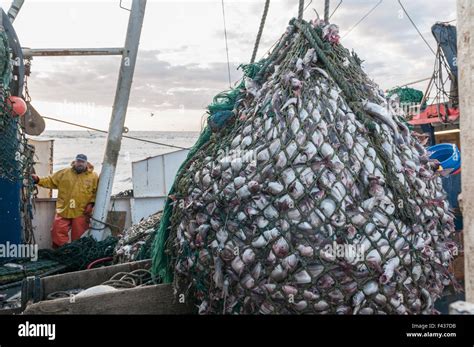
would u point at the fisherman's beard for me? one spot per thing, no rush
(79, 169)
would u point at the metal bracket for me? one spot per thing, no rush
(124, 8)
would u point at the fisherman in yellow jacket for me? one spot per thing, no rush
(77, 187)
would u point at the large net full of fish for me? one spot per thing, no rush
(314, 197)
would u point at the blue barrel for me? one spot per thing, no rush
(447, 154)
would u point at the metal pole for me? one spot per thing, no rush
(465, 38)
(48, 52)
(326, 11)
(116, 126)
(14, 9)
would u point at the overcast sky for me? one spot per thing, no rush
(182, 59)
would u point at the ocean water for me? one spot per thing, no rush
(69, 143)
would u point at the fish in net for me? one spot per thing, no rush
(313, 197)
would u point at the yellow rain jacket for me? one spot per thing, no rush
(75, 190)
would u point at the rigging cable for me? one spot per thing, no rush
(414, 25)
(339, 4)
(260, 31)
(362, 19)
(105, 132)
(226, 44)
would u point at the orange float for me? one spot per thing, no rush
(18, 105)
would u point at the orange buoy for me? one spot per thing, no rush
(18, 105)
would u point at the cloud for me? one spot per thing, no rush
(393, 51)
(182, 64)
(157, 83)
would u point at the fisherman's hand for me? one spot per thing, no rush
(89, 208)
(35, 178)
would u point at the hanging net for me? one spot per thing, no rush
(307, 193)
(16, 156)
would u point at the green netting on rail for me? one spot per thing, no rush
(26, 268)
(80, 253)
(407, 95)
(73, 256)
